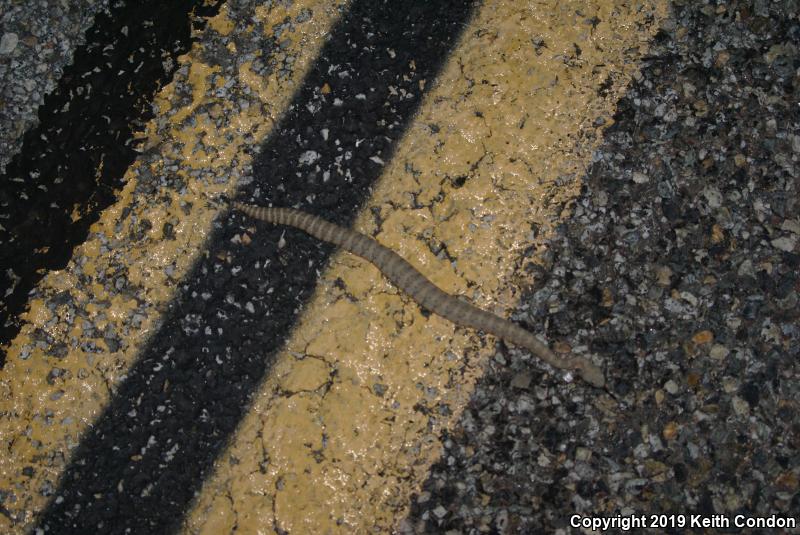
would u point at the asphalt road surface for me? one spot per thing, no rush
(621, 179)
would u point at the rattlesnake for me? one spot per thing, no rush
(424, 292)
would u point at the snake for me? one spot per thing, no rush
(425, 293)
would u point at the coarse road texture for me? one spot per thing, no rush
(188, 369)
(75, 158)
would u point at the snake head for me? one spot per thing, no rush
(591, 373)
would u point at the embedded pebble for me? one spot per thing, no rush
(8, 42)
(785, 243)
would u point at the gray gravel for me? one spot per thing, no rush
(679, 269)
(37, 40)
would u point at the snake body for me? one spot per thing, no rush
(419, 288)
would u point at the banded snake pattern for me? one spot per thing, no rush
(420, 289)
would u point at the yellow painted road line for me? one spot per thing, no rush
(58, 377)
(347, 425)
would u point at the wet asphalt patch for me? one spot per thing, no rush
(140, 466)
(73, 162)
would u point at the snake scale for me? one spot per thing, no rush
(424, 292)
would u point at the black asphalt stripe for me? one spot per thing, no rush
(188, 391)
(75, 159)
